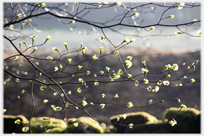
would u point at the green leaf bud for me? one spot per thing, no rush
(103, 125)
(91, 103)
(65, 44)
(171, 16)
(102, 95)
(19, 15)
(70, 92)
(25, 129)
(126, 40)
(102, 40)
(183, 106)
(118, 3)
(79, 67)
(35, 49)
(96, 83)
(166, 82)
(156, 88)
(120, 72)
(175, 67)
(72, 21)
(79, 90)
(132, 40)
(182, 4)
(145, 70)
(116, 52)
(130, 125)
(41, 88)
(84, 103)
(152, 28)
(94, 57)
(136, 82)
(22, 25)
(33, 37)
(173, 122)
(116, 96)
(4, 110)
(101, 72)
(100, 48)
(88, 72)
(149, 88)
(18, 121)
(45, 101)
(102, 105)
(107, 69)
(198, 32)
(124, 116)
(69, 60)
(10, 26)
(55, 69)
(48, 38)
(76, 124)
(136, 14)
(16, 57)
(129, 105)
(61, 66)
(42, 4)
(129, 57)
(128, 63)
(116, 76)
(129, 75)
(192, 80)
(146, 81)
(194, 20)
(55, 94)
(49, 57)
(17, 80)
(177, 33)
(159, 82)
(57, 108)
(54, 49)
(179, 7)
(105, 3)
(81, 80)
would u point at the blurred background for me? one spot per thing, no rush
(158, 48)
